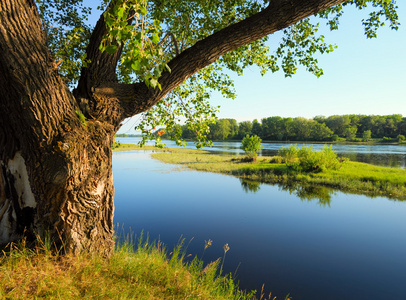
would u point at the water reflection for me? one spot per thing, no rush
(388, 160)
(304, 192)
(311, 192)
(250, 186)
(342, 246)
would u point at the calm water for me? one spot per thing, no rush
(340, 247)
(381, 155)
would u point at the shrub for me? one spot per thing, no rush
(289, 155)
(276, 160)
(335, 138)
(307, 160)
(251, 145)
(401, 138)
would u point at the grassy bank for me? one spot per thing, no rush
(352, 176)
(117, 147)
(148, 272)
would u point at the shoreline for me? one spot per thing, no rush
(353, 177)
(343, 142)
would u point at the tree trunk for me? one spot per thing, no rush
(64, 189)
(55, 166)
(55, 170)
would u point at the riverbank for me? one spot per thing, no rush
(352, 177)
(340, 142)
(148, 272)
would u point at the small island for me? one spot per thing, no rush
(353, 177)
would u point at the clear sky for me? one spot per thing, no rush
(362, 76)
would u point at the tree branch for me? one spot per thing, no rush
(102, 65)
(101, 68)
(137, 98)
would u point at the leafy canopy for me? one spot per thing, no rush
(154, 32)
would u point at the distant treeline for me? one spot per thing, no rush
(320, 128)
(127, 135)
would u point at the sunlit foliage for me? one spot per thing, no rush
(154, 32)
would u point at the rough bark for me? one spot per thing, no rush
(56, 174)
(55, 171)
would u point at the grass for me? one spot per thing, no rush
(353, 177)
(128, 147)
(148, 272)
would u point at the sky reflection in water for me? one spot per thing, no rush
(350, 248)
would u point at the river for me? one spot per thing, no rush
(345, 247)
(377, 154)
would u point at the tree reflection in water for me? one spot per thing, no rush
(250, 186)
(310, 193)
(304, 192)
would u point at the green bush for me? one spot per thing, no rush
(290, 154)
(307, 160)
(335, 138)
(401, 138)
(276, 160)
(251, 145)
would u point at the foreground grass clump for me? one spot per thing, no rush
(145, 273)
(350, 176)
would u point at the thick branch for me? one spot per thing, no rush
(278, 15)
(102, 66)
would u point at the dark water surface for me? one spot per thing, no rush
(381, 155)
(349, 247)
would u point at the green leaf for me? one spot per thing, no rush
(114, 32)
(120, 12)
(153, 82)
(143, 11)
(136, 66)
(111, 49)
(109, 21)
(155, 39)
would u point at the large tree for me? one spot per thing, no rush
(67, 86)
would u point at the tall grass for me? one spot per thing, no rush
(147, 272)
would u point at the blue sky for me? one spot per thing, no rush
(362, 76)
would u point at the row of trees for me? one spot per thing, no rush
(320, 128)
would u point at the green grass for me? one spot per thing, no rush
(353, 177)
(128, 147)
(148, 272)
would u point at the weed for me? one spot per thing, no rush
(81, 117)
